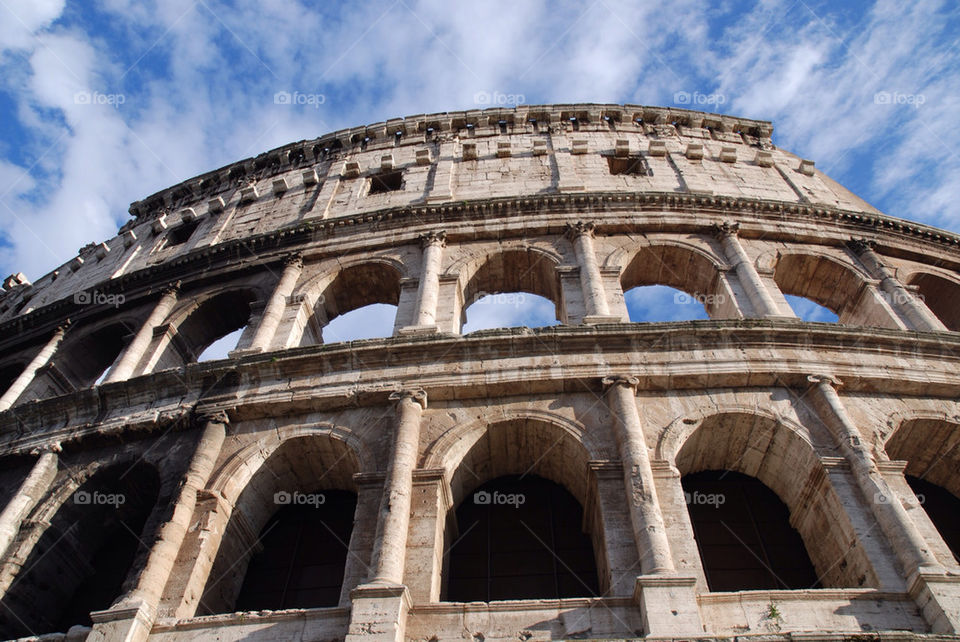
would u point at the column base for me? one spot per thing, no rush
(595, 319)
(417, 330)
(937, 594)
(379, 613)
(122, 623)
(668, 605)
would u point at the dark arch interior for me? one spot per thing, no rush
(84, 360)
(361, 285)
(9, 374)
(260, 542)
(825, 282)
(216, 317)
(943, 509)
(942, 297)
(744, 534)
(83, 557)
(532, 548)
(303, 555)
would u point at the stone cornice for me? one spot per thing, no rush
(175, 396)
(603, 207)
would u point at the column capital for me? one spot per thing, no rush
(859, 246)
(580, 228)
(620, 380)
(43, 449)
(293, 260)
(824, 378)
(171, 288)
(727, 228)
(433, 238)
(212, 416)
(417, 395)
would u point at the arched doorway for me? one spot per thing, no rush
(521, 537)
(81, 560)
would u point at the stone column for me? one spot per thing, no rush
(667, 600)
(936, 593)
(273, 311)
(131, 619)
(428, 291)
(26, 377)
(648, 529)
(763, 304)
(904, 537)
(899, 297)
(126, 365)
(390, 547)
(28, 494)
(379, 607)
(591, 281)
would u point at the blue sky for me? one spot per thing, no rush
(103, 103)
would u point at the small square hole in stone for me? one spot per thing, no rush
(630, 165)
(182, 233)
(386, 182)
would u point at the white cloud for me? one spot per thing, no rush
(20, 20)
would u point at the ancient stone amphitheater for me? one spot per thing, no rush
(750, 474)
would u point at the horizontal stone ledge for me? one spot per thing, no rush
(788, 595)
(518, 606)
(272, 246)
(270, 385)
(247, 617)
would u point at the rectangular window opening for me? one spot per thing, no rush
(633, 165)
(182, 233)
(386, 182)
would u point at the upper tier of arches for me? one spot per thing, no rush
(431, 279)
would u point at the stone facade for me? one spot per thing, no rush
(576, 203)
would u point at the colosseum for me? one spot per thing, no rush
(748, 475)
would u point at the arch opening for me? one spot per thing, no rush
(652, 303)
(268, 558)
(360, 302)
(744, 535)
(693, 280)
(507, 280)
(820, 280)
(82, 558)
(81, 361)
(301, 557)
(931, 448)
(509, 310)
(523, 456)
(224, 315)
(785, 464)
(943, 509)
(9, 374)
(367, 322)
(521, 538)
(942, 296)
(809, 310)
